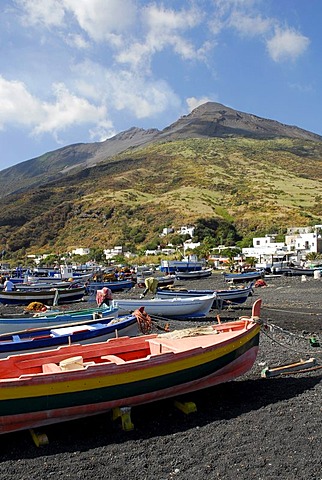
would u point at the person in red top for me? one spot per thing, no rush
(104, 296)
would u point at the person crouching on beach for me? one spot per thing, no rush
(104, 296)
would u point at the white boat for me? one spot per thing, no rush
(64, 273)
(169, 307)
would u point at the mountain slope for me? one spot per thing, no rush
(251, 185)
(210, 120)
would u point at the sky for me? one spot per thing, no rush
(81, 71)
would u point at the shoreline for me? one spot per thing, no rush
(253, 427)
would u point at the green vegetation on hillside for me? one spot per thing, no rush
(239, 186)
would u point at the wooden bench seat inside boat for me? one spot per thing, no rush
(113, 359)
(157, 347)
(166, 345)
(51, 368)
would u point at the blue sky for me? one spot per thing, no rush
(84, 70)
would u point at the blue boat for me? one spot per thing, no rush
(223, 298)
(172, 266)
(14, 323)
(93, 331)
(116, 286)
(243, 276)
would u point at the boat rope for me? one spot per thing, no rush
(267, 307)
(274, 331)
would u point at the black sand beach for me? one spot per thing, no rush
(252, 428)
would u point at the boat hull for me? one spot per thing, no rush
(85, 333)
(14, 324)
(223, 297)
(174, 307)
(243, 277)
(47, 297)
(295, 272)
(113, 286)
(173, 266)
(194, 275)
(32, 401)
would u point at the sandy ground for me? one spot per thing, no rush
(252, 428)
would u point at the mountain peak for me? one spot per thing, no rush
(213, 119)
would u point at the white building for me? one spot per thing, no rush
(152, 252)
(113, 252)
(166, 231)
(189, 245)
(81, 251)
(298, 244)
(304, 243)
(265, 247)
(186, 230)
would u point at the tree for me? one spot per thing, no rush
(313, 256)
(97, 254)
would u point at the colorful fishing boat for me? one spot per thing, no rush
(92, 331)
(75, 381)
(15, 322)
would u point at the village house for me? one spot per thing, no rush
(81, 251)
(166, 231)
(190, 245)
(265, 248)
(186, 230)
(113, 252)
(304, 241)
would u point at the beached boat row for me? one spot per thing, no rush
(62, 365)
(74, 381)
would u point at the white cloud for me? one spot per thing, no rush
(124, 90)
(102, 19)
(48, 13)
(155, 100)
(166, 28)
(308, 88)
(133, 36)
(68, 110)
(77, 41)
(287, 44)
(249, 25)
(138, 95)
(160, 19)
(19, 107)
(102, 131)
